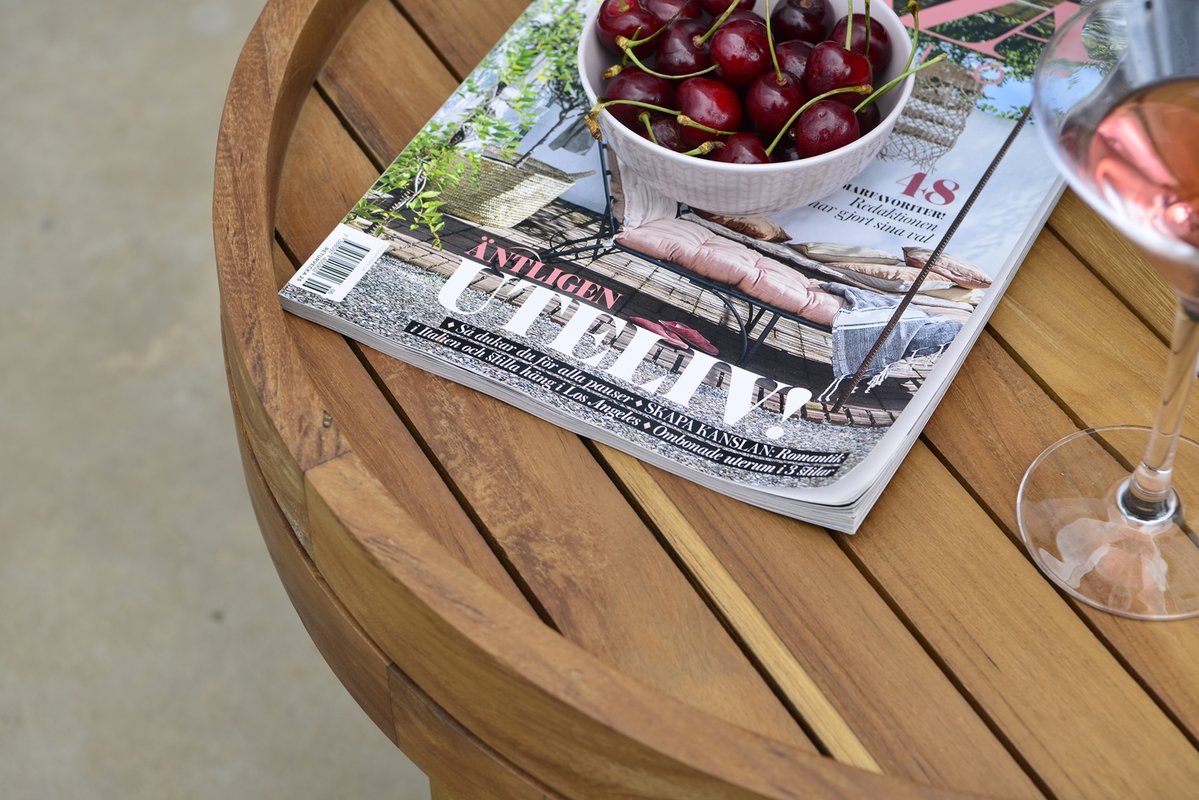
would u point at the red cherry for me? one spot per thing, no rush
(793, 56)
(880, 42)
(831, 66)
(669, 10)
(809, 20)
(770, 103)
(678, 53)
(666, 131)
(743, 148)
(718, 7)
(633, 83)
(825, 126)
(742, 51)
(785, 152)
(708, 102)
(869, 118)
(628, 18)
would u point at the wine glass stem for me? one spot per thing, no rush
(1149, 495)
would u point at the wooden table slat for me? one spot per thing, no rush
(1079, 338)
(463, 31)
(1114, 259)
(389, 92)
(787, 585)
(324, 175)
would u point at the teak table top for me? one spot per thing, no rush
(527, 613)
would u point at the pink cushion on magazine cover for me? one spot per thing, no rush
(719, 258)
(694, 247)
(783, 287)
(955, 269)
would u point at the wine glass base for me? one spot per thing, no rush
(1077, 535)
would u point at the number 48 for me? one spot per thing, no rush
(942, 193)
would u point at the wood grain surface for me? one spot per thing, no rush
(529, 614)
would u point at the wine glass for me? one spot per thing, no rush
(1111, 514)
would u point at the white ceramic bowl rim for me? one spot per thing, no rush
(888, 18)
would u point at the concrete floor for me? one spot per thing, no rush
(147, 649)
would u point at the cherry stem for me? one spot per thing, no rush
(625, 59)
(914, 10)
(778, 71)
(699, 41)
(849, 25)
(705, 148)
(649, 129)
(863, 89)
(867, 27)
(633, 41)
(598, 107)
(891, 84)
(686, 121)
(628, 51)
(654, 35)
(589, 119)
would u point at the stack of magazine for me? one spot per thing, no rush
(504, 250)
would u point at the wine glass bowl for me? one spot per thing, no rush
(745, 188)
(1118, 117)
(1110, 514)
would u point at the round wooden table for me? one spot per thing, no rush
(527, 613)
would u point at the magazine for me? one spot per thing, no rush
(504, 249)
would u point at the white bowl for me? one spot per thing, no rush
(739, 189)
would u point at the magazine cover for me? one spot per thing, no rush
(505, 249)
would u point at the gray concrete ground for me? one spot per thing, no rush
(147, 649)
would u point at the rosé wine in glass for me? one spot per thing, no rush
(1111, 513)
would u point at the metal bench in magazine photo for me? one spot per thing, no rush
(587, 489)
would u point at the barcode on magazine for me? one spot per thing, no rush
(339, 263)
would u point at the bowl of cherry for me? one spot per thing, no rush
(712, 104)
